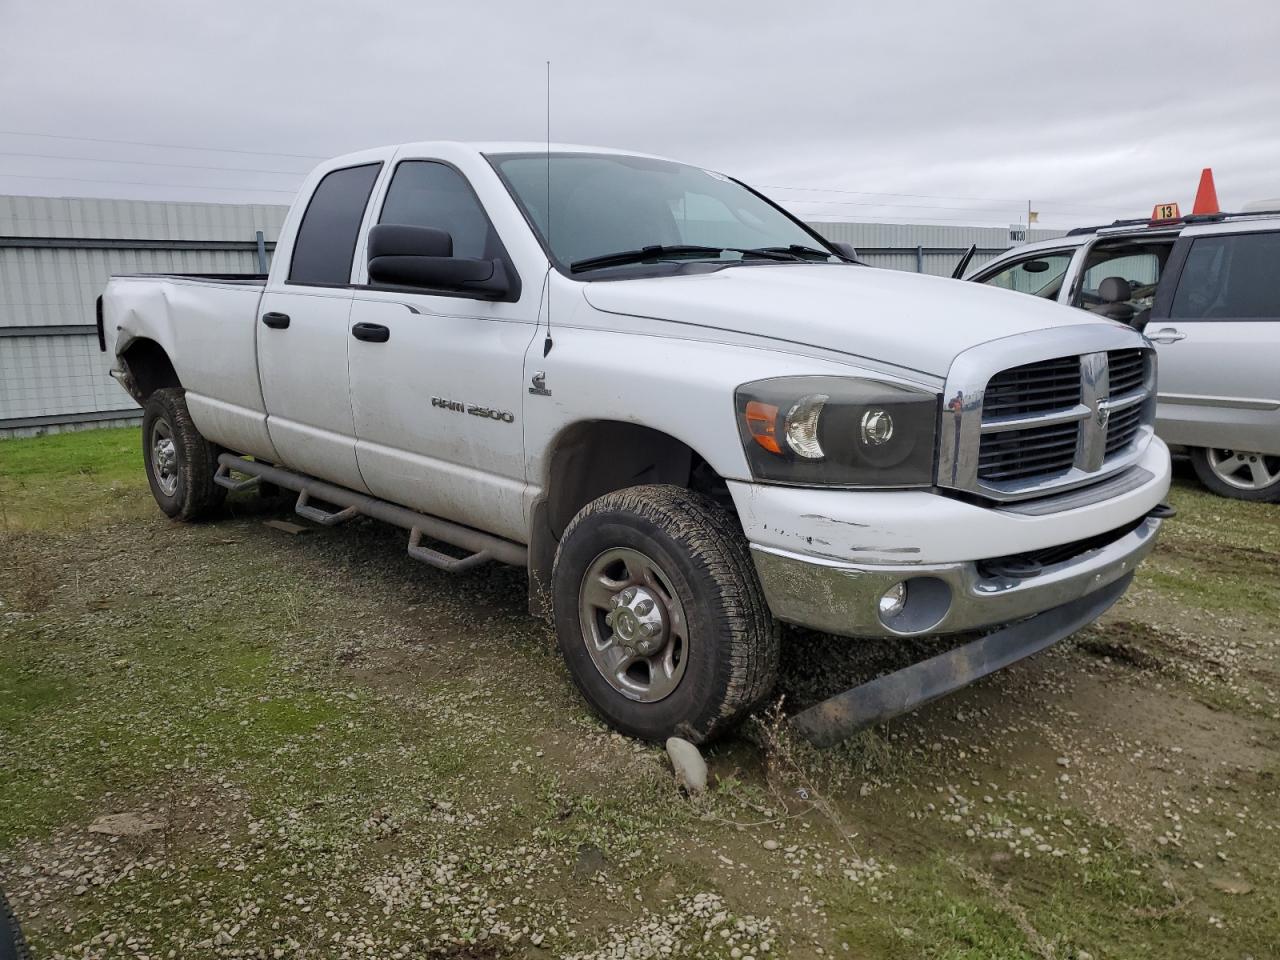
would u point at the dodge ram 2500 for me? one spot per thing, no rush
(688, 415)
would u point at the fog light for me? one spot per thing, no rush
(893, 600)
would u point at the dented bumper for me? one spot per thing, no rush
(844, 598)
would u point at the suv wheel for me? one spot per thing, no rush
(1240, 474)
(180, 462)
(659, 614)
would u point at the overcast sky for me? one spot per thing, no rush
(894, 110)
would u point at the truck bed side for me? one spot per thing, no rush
(206, 327)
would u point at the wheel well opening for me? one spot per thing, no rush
(149, 369)
(598, 457)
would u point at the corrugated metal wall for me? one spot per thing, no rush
(55, 257)
(57, 253)
(922, 248)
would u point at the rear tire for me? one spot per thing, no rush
(180, 462)
(691, 647)
(1238, 474)
(13, 946)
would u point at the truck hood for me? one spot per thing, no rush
(909, 320)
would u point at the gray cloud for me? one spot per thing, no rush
(1088, 110)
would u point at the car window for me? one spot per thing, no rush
(608, 203)
(1040, 275)
(326, 240)
(1230, 277)
(1120, 278)
(426, 193)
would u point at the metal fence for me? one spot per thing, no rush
(56, 255)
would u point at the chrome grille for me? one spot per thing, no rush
(1039, 426)
(1023, 393)
(1017, 454)
(1126, 371)
(1033, 388)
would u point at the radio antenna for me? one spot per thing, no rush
(548, 343)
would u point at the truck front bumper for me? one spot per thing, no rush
(844, 598)
(826, 557)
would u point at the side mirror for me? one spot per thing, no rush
(1035, 266)
(408, 256)
(846, 250)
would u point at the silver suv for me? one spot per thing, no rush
(1206, 291)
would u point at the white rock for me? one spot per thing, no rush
(690, 769)
(127, 824)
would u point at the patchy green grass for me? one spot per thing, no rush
(353, 754)
(67, 479)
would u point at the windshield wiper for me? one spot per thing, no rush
(797, 251)
(659, 251)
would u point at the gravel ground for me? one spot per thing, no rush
(227, 741)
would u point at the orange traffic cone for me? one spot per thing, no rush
(1206, 194)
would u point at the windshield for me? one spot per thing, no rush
(605, 204)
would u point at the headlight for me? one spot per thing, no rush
(835, 430)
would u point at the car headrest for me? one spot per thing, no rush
(1115, 290)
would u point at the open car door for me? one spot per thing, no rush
(963, 265)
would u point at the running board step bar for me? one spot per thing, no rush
(483, 547)
(839, 717)
(223, 478)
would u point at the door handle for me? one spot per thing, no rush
(276, 321)
(371, 332)
(1166, 335)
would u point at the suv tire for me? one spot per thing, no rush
(659, 614)
(1238, 474)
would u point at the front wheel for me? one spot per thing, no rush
(180, 462)
(1240, 474)
(659, 614)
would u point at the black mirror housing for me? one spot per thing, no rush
(401, 255)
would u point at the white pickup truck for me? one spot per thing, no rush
(688, 415)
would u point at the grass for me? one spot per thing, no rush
(66, 479)
(352, 753)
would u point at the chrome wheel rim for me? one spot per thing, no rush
(1243, 469)
(633, 625)
(164, 457)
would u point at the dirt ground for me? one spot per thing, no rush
(225, 740)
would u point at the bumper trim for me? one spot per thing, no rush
(836, 718)
(842, 598)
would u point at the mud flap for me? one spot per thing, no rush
(836, 718)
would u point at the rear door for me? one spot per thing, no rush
(1216, 327)
(303, 333)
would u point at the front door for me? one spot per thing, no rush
(303, 331)
(437, 392)
(1217, 335)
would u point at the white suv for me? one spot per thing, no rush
(1206, 292)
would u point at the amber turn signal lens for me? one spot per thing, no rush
(762, 424)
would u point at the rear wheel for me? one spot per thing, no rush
(659, 614)
(180, 462)
(1240, 474)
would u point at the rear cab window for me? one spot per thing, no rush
(326, 240)
(1230, 277)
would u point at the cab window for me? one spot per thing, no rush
(427, 193)
(1039, 275)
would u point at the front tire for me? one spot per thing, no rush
(180, 462)
(1239, 474)
(659, 614)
